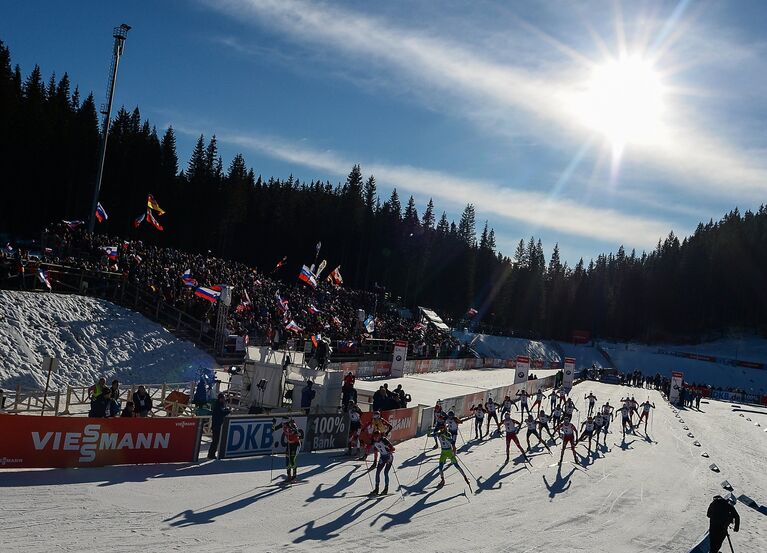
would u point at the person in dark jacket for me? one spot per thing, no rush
(142, 403)
(111, 407)
(307, 395)
(99, 406)
(220, 411)
(721, 514)
(128, 411)
(380, 399)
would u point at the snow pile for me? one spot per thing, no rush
(644, 493)
(91, 338)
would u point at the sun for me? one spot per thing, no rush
(623, 100)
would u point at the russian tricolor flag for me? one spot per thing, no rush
(313, 310)
(208, 294)
(187, 278)
(111, 252)
(101, 213)
(73, 224)
(293, 327)
(307, 276)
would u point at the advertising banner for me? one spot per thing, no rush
(247, 435)
(327, 432)
(677, 379)
(398, 358)
(568, 373)
(363, 368)
(523, 367)
(403, 421)
(62, 442)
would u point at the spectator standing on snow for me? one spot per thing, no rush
(128, 411)
(220, 411)
(348, 393)
(721, 514)
(307, 396)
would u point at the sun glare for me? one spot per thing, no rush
(624, 101)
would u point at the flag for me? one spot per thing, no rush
(151, 203)
(316, 339)
(471, 312)
(370, 324)
(209, 294)
(319, 245)
(419, 326)
(111, 252)
(101, 213)
(335, 276)
(187, 278)
(48, 251)
(137, 257)
(321, 268)
(280, 263)
(9, 248)
(43, 276)
(313, 310)
(308, 277)
(138, 220)
(282, 304)
(73, 224)
(154, 222)
(293, 327)
(337, 321)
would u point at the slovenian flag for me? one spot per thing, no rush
(73, 224)
(293, 327)
(138, 220)
(307, 276)
(187, 278)
(111, 252)
(209, 294)
(101, 213)
(43, 276)
(313, 310)
(154, 222)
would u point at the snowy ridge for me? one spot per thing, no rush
(91, 338)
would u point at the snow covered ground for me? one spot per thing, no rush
(91, 338)
(647, 493)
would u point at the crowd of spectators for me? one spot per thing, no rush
(106, 401)
(256, 312)
(385, 399)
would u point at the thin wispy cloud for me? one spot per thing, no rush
(536, 99)
(535, 210)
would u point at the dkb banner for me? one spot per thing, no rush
(247, 435)
(327, 432)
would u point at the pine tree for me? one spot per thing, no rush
(370, 193)
(169, 157)
(353, 186)
(411, 214)
(428, 216)
(443, 228)
(467, 227)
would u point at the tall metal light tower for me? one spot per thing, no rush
(120, 34)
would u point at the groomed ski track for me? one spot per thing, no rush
(645, 494)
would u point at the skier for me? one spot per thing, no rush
(523, 395)
(512, 429)
(587, 431)
(569, 435)
(646, 406)
(556, 416)
(439, 416)
(562, 396)
(553, 399)
(479, 416)
(293, 437)
(452, 426)
(490, 407)
(543, 422)
(721, 515)
(355, 425)
(377, 424)
(569, 408)
(599, 422)
(448, 453)
(385, 452)
(592, 401)
(506, 406)
(607, 414)
(532, 426)
(626, 418)
(539, 395)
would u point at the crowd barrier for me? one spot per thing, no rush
(65, 442)
(714, 359)
(421, 366)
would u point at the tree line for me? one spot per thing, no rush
(710, 282)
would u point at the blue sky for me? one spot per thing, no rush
(521, 108)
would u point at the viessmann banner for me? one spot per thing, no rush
(61, 442)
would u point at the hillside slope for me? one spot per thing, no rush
(90, 337)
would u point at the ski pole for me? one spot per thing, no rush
(461, 435)
(367, 469)
(464, 466)
(271, 463)
(399, 484)
(426, 442)
(730, 542)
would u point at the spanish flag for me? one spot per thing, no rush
(151, 203)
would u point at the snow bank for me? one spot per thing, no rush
(91, 338)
